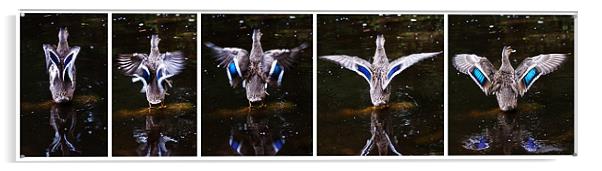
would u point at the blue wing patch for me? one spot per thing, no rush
(235, 145)
(276, 71)
(146, 75)
(364, 71)
(232, 69)
(477, 143)
(393, 70)
(278, 143)
(476, 73)
(530, 76)
(530, 145)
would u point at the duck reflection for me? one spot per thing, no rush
(63, 121)
(509, 136)
(380, 127)
(262, 133)
(151, 140)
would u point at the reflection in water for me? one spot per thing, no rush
(258, 131)
(380, 127)
(386, 130)
(71, 133)
(256, 136)
(509, 136)
(167, 131)
(151, 140)
(62, 121)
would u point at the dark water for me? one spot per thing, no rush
(136, 130)
(78, 128)
(543, 123)
(414, 122)
(286, 121)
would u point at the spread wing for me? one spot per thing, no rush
(173, 62)
(478, 68)
(235, 60)
(277, 60)
(359, 65)
(129, 64)
(533, 67)
(402, 63)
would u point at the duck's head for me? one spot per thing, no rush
(63, 34)
(507, 51)
(257, 35)
(380, 41)
(155, 41)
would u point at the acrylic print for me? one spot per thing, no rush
(63, 82)
(511, 84)
(380, 85)
(257, 85)
(154, 85)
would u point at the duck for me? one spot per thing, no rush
(380, 72)
(60, 64)
(153, 70)
(507, 83)
(257, 70)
